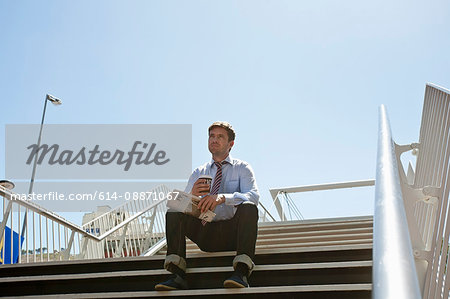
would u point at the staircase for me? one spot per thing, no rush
(326, 258)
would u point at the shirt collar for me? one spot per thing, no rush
(229, 159)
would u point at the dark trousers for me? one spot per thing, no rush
(238, 233)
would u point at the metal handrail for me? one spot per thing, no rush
(82, 231)
(130, 233)
(329, 186)
(74, 227)
(275, 192)
(8, 194)
(394, 272)
(128, 220)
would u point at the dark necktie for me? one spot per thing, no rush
(217, 181)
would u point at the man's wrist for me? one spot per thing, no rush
(221, 198)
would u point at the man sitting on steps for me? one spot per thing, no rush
(233, 197)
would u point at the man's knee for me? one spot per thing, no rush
(249, 211)
(173, 216)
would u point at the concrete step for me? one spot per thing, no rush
(356, 230)
(335, 291)
(199, 259)
(363, 230)
(194, 249)
(359, 219)
(281, 239)
(268, 228)
(286, 255)
(198, 278)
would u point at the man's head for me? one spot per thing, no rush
(223, 124)
(221, 139)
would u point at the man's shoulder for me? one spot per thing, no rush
(202, 168)
(239, 163)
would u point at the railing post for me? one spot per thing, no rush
(84, 247)
(277, 203)
(148, 240)
(66, 254)
(5, 220)
(122, 242)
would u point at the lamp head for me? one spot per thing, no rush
(53, 99)
(7, 184)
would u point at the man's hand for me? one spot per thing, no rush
(200, 188)
(210, 202)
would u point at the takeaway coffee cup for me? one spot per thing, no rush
(206, 179)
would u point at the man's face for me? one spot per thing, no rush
(218, 143)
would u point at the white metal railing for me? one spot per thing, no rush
(424, 198)
(46, 235)
(281, 195)
(394, 272)
(427, 199)
(125, 231)
(128, 230)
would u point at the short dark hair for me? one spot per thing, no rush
(226, 126)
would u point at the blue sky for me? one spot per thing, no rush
(301, 81)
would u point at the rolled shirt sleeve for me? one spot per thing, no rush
(192, 179)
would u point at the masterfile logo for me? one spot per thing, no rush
(94, 156)
(99, 152)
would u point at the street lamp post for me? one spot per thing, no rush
(55, 101)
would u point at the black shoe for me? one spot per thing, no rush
(236, 281)
(174, 283)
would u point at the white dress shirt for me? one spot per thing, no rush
(238, 185)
